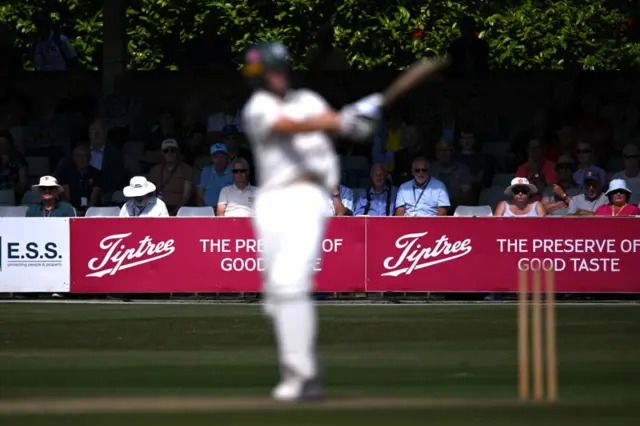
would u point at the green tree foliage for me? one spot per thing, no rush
(522, 34)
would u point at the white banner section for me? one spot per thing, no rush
(34, 255)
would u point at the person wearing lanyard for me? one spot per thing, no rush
(423, 195)
(50, 206)
(173, 178)
(142, 202)
(619, 195)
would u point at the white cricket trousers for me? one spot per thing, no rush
(291, 223)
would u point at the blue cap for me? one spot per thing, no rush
(219, 147)
(592, 173)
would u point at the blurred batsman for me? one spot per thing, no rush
(290, 133)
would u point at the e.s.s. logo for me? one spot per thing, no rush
(14, 254)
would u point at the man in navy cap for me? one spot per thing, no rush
(587, 203)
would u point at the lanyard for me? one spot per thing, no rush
(415, 207)
(139, 210)
(613, 211)
(162, 181)
(47, 213)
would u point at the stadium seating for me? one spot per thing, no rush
(102, 212)
(205, 211)
(13, 211)
(7, 197)
(473, 211)
(31, 197)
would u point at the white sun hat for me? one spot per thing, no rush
(520, 181)
(618, 184)
(138, 187)
(48, 181)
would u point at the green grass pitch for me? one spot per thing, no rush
(460, 360)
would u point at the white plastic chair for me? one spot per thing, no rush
(7, 197)
(13, 211)
(38, 166)
(473, 211)
(203, 211)
(102, 212)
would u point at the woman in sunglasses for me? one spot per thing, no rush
(619, 205)
(521, 203)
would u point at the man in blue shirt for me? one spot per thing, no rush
(380, 199)
(423, 195)
(214, 177)
(342, 202)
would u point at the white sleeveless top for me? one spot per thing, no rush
(280, 159)
(533, 212)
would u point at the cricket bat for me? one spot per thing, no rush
(412, 77)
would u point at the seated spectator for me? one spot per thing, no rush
(231, 137)
(237, 200)
(556, 198)
(173, 178)
(423, 195)
(229, 115)
(402, 160)
(13, 166)
(586, 161)
(81, 181)
(390, 139)
(587, 203)
(190, 124)
(214, 177)
(121, 109)
(631, 172)
(167, 128)
(618, 205)
(538, 170)
(342, 202)
(50, 206)
(521, 203)
(142, 202)
(380, 198)
(106, 157)
(481, 165)
(455, 176)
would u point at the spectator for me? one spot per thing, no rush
(81, 181)
(423, 195)
(167, 128)
(618, 196)
(231, 137)
(50, 206)
(142, 202)
(173, 178)
(237, 200)
(13, 166)
(342, 202)
(480, 165)
(470, 54)
(51, 51)
(326, 56)
(106, 157)
(191, 124)
(455, 176)
(566, 144)
(538, 170)
(588, 202)
(556, 198)
(380, 198)
(631, 172)
(403, 159)
(586, 161)
(389, 139)
(214, 177)
(594, 129)
(521, 204)
(228, 116)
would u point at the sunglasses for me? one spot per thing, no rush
(518, 191)
(236, 171)
(424, 170)
(618, 192)
(169, 150)
(47, 189)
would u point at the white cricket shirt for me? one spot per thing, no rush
(280, 159)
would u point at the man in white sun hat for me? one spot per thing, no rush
(142, 203)
(50, 206)
(619, 205)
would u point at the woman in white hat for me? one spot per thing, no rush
(619, 195)
(50, 206)
(520, 204)
(143, 202)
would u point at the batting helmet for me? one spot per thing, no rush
(262, 57)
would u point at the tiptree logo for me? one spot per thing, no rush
(30, 254)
